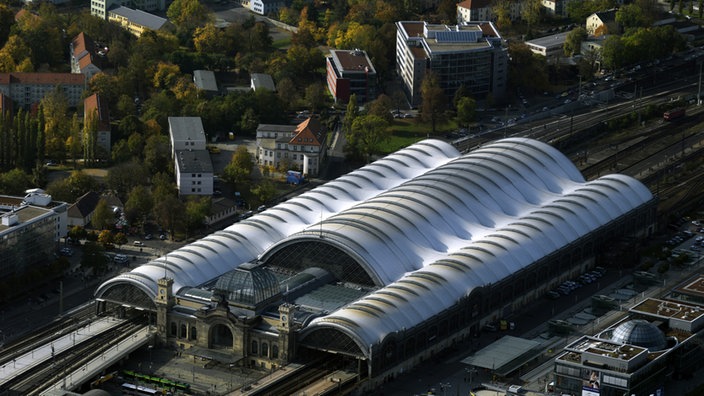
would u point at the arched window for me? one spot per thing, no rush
(265, 349)
(193, 333)
(173, 329)
(183, 331)
(274, 351)
(253, 349)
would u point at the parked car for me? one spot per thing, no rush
(148, 236)
(552, 294)
(138, 243)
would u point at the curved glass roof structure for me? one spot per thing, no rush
(427, 224)
(468, 223)
(222, 251)
(641, 333)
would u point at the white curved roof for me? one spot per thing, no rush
(212, 256)
(468, 223)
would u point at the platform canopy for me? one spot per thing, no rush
(504, 355)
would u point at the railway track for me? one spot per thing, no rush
(47, 333)
(45, 374)
(294, 382)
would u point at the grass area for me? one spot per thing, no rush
(407, 131)
(282, 43)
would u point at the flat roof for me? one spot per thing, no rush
(502, 352)
(24, 215)
(190, 161)
(549, 41)
(671, 309)
(352, 60)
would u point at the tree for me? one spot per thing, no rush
(105, 238)
(530, 12)
(264, 191)
(433, 98)
(368, 132)
(350, 114)
(382, 107)
(573, 41)
(169, 213)
(315, 97)
(502, 12)
(249, 121)
(197, 208)
(7, 20)
(187, 14)
(139, 204)
(14, 182)
(465, 110)
(119, 239)
(124, 177)
(239, 169)
(94, 258)
(103, 217)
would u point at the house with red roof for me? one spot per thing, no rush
(86, 57)
(303, 147)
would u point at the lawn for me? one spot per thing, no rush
(406, 131)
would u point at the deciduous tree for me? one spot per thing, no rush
(239, 169)
(433, 99)
(368, 132)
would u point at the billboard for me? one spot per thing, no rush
(591, 381)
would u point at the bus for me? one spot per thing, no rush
(674, 114)
(137, 390)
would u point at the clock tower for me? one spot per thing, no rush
(286, 331)
(164, 302)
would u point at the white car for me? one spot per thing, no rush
(138, 243)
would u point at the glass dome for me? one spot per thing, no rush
(641, 333)
(249, 284)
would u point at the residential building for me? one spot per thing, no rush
(470, 54)
(194, 172)
(474, 10)
(262, 81)
(303, 146)
(381, 269)
(263, 7)
(186, 133)
(86, 57)
(80, 212)
(482, 10)
(602, 23)
(6, 106)
(26, 89)
(551, 47)
(96, 110)
(30, 229)
(136, 21)
(351, 72)
(556, 8)
(100, 8)
(205, 82)
(192, 163)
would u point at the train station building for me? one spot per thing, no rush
(383, 268)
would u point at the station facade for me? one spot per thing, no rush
(388, 265)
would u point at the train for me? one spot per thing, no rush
(674, 114)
